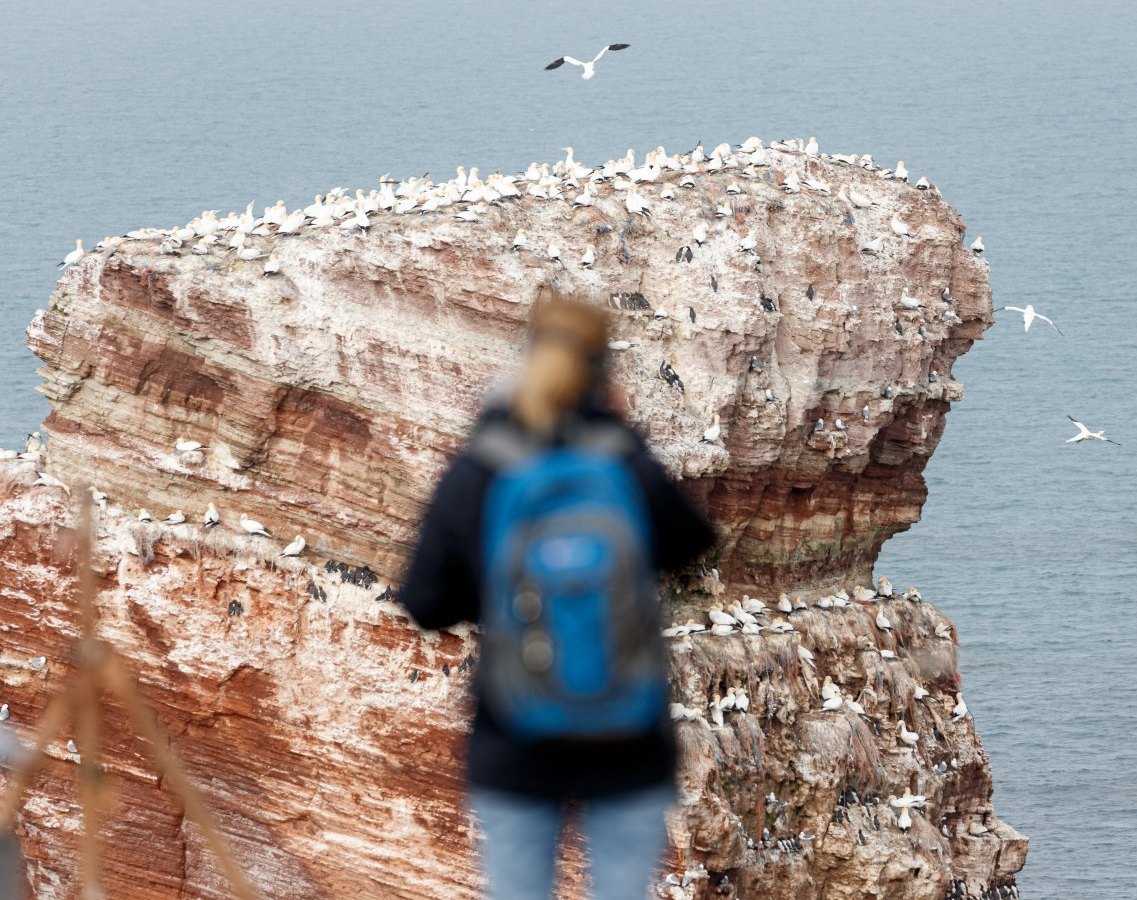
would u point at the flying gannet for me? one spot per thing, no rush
(590, 66)
(1029, 315)
(1084, 434)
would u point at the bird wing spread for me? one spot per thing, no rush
(556, 64)
(572, 60)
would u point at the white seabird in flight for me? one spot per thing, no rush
(1029, 315)
(1084, 434)
(590, 66)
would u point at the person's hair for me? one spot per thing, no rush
(568, 346)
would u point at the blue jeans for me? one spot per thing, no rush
(626, 835)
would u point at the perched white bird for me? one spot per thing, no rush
(520, 241)
(811, 148)
(899, 227)
(904, 820)
(920, 693)
(804, 654)
(715, 705)
(636, 204)
(828, 689)
(784, 604)
(252, 526)
(44, 479)
(272, 264)
(943, 630)
(977, 245)
(900, 172)
(854, 706)
(911, 738)
(884, 586)
(554, 251)
(1029, 315)
(718, 617)
(1084, 434)
(590, 66)
(876, 245)
(181, 445)
(588, 257)
(711, 435)
(959, 711)
(175, 518)
(680, 713)
(882, 622)
(833, 703)
(4, 712)
(889, 655)
(211, 517)
(295, 548)
(699, 233)
(144, 516)
(74, 256)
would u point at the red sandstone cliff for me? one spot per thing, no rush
(327, 732)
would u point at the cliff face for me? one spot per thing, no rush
(326, 730)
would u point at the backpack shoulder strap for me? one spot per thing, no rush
(502, 445)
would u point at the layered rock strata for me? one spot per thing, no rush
(324, 729)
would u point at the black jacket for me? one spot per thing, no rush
(443, 586)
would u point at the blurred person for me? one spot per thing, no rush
(549, 530)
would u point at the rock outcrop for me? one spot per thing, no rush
(328, 732)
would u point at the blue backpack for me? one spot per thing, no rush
(571, 647)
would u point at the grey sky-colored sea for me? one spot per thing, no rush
(115, 115)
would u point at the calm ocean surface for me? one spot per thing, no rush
(116, 115)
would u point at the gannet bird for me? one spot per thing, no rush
(554, 251)
(620, 345)
(144, 516)
(854, 706)
(859, 200)
(805, 655)
(828, 688)
(680, 713)
(748, 243)
(74, 256)
(712, 433)
(977, 245)
(911, 738)
(900, 172)
(884, 586)
(520, 241)
(943, 631)
(590, 66)
(699, 233)
(882, 622)
(272, 264)
(873, 246)
(920, 693)
(97, 497)
(636, 204)
(252, 526)
(211, 517)
(898, 227)
(667, 192)
(588, 257)
(43, 479)
(904, 820)
(753, 605)
(741, 699)
(720, 630)
(715, 705)
(923, 184)
(181, 445)
(959, 711)
(975, 829)
(295, 548)
(175, 518)
(741, 615)
(718, 617)
(784, 604)
(811, 149)
(834, 703)
(1084, 434)
(909, 302)
(1029, 315)
(889, 655)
